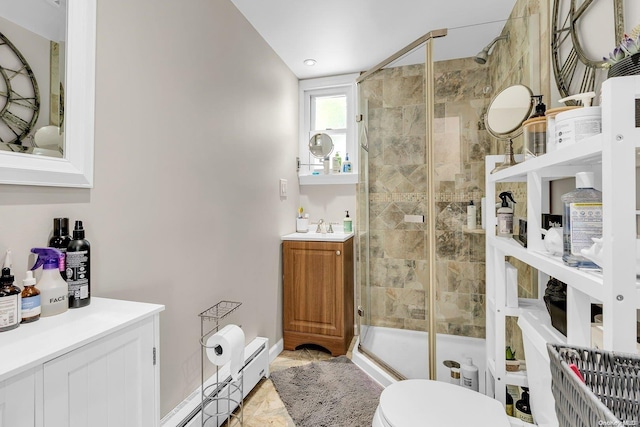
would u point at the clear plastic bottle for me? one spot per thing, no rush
(582, 220)
(53, 289)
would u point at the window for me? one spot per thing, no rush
(327, 105)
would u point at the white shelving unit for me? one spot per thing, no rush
(612, 157)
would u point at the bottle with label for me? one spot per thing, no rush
(60, 240)
(509, 404)
(346, 165)
(53, 288)
(505, 215)
(469, 374)
(347, 223)
(582, 220)
(523, 409)
(336, 166)
(30, 299)
(79, 269)
(472, 214)
(9, 302)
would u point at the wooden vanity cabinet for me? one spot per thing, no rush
(318, 294)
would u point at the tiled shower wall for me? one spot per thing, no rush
(398, 186)
(398, 182)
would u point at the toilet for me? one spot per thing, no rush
(413, 403)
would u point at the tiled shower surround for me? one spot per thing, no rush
(398, 185)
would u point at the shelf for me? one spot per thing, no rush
(586, 281)
(474, 231)
(524, 304)
(518, 378)
(581, 154)
(331, 179)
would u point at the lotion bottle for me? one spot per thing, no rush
(79, 268)
(337, 163)
(53, 288)
(469, 374)
(505, 215)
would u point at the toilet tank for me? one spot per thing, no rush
(536, 333)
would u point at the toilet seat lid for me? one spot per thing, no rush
(416, 402)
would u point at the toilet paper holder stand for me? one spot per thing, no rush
(222, 398)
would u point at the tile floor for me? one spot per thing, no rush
(263, 406)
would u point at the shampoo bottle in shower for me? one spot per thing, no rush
(469, 374)
(471, 216)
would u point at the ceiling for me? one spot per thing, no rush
(349, 36)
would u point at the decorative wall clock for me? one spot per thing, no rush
(19, 96)
(574, 70)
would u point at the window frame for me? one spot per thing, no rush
(328, 86)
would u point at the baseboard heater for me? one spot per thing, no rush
(256, 366)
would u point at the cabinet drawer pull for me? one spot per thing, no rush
(338, 253)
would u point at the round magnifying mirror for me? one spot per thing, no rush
(508, 110)
(320, 145)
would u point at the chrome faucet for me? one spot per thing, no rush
(321, 228)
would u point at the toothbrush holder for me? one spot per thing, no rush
(302, 225)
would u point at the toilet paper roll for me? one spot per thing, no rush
(227, 346)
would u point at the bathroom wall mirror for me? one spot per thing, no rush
(74, 167)
(320, 145)
(508, 110)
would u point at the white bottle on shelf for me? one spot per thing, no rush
(469, 374)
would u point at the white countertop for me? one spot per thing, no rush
(31, 344)
(311, 236)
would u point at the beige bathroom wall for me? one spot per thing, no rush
(196, 121)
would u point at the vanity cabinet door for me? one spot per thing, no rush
(108, 383)
(17, 400)
(318, 294)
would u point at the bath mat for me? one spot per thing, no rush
(332, 393)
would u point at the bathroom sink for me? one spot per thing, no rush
(337, 236)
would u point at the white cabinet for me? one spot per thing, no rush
(611, 156)
(105, 383)
(17, 400)
(94, 366)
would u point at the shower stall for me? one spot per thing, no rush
(422, 142)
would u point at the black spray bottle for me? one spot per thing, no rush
(60, 240)
(79, 269)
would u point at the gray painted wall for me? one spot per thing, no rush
(196, 121)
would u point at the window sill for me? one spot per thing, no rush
(343, 178)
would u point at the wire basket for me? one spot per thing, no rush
(610, 392)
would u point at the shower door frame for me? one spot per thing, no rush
(431, 240)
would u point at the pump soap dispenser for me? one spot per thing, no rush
(347, 223)
(505, 215)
